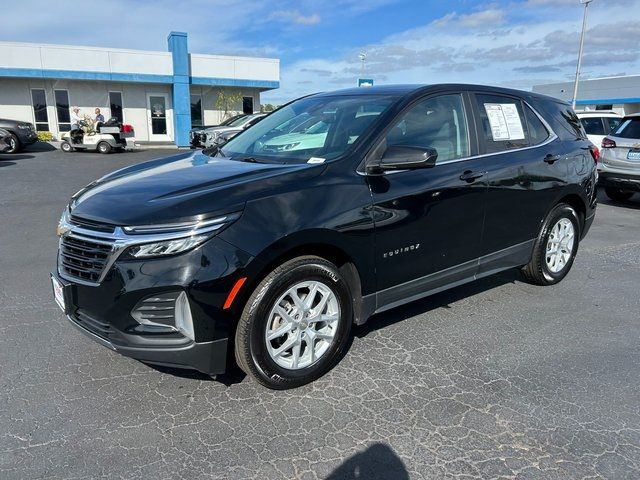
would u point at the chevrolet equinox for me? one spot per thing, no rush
(334, 207)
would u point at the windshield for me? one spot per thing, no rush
(322, 128)
(229, 122)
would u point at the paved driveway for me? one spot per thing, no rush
(494, 379)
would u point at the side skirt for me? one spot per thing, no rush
(511, 257)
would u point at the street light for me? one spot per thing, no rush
(584, 26)
(363, 56)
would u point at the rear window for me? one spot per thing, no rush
(629, 128)
(611, 123)
(593, 125)
(508, 124)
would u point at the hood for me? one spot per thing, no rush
(180, 187)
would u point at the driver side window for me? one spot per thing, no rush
(438, 123)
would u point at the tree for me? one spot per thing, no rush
(227, 101)
(267, 107)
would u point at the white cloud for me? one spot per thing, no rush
(296, 17)
(490, 17)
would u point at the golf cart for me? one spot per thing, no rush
(105, 137)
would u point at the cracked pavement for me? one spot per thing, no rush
(496, 379)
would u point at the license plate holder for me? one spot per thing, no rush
(633, 154)
(59, 294)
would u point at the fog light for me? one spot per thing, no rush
(184, 322)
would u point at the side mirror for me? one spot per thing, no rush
(405, 158)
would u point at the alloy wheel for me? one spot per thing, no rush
(560, 245)
(302, 325)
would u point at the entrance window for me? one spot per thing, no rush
(247, 105)
(62, 110)
(196, 111)
(158, 115)
(39, 102)
(115, 105)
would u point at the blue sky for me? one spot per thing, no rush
(515, 43)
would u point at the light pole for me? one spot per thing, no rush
(362, 56)
(584, 27)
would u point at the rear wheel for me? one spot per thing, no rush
(14, 144)
(555, 248)
(104, 147)
(295, 324)
(618, 194)
(66, 147)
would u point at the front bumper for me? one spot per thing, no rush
(105, 311)
(206, 357)
(27, 137)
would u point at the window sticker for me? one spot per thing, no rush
(316, 160)
(505, 121)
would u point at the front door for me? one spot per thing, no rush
(429, 221)
(157, 117)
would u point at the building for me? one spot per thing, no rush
(162, 94)
(621, 94)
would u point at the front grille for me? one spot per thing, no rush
(82, 258)
(91, 224)
(100, 328)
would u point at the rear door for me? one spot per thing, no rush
(526, 166)
(428, 221)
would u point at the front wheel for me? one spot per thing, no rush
(555, 248)
(66, 147)
(14, 144)
(618, 194)
(295, 324)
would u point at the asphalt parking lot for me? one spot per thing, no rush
(496, 379)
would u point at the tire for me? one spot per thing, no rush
(553, 237)
(66, 147)
(14, 144)
(618, 194)
(258, 357)
(104, 147)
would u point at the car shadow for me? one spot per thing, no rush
(233, 375)
(433, 302)
(633, 203)
(6, 164)
(40, 147)
(9, 157)
(377, 462)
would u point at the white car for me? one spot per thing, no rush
(598, 124)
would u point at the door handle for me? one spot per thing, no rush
(470, 175)
(550, 158)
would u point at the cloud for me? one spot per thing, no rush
(492, 16)
(296, 17)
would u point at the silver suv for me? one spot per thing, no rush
(619, 166)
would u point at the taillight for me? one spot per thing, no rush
(608, 143)
(126, 128)
(595, 153)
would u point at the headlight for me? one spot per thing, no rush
(63, 224)
(169, 247)
(23, 126)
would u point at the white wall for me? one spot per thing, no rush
(242, 68)
(90, 59)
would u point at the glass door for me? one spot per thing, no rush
(157, 116)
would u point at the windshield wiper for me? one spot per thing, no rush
(248, 159)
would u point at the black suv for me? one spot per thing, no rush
(21, 134)
(270, 250)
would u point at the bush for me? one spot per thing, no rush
(45, 136)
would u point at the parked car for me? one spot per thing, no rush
(108, 137)
(270, 256)
(221, 134)
(619, 167)
(4, 140)
(599, 123)
(21, 134)
(197, 135)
